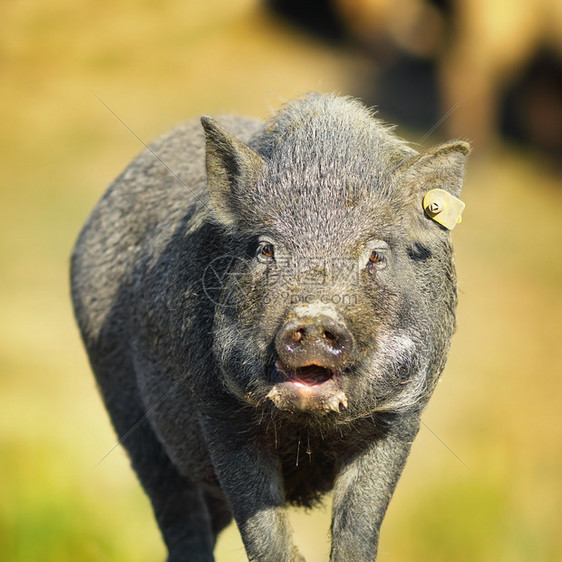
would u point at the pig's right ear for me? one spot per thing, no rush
(232, 170)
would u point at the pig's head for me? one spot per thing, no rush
(340, 297)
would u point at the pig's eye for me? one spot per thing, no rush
(265, 252)
(377, 259)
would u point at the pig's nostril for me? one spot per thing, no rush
(332, 338)
(297, 335)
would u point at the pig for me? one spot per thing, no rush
(267, 308)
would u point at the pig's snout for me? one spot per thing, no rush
(318, 339)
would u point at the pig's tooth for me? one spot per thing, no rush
(341, 399)
(336, 401)
(273, 395)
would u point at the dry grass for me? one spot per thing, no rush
(157, 63)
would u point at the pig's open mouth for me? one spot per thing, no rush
(312, 387)
(310, 375)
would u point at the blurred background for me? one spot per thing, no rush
(80, 81)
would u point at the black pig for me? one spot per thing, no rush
(267, 308)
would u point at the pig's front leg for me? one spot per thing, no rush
(251, 481)
(362, 492)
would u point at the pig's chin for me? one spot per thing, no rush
(310, 388)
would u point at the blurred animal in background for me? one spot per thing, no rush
(483, 69)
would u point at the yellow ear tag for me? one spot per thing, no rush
(442, 207)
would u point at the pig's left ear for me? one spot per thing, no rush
(232, 170)
(434, 180)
